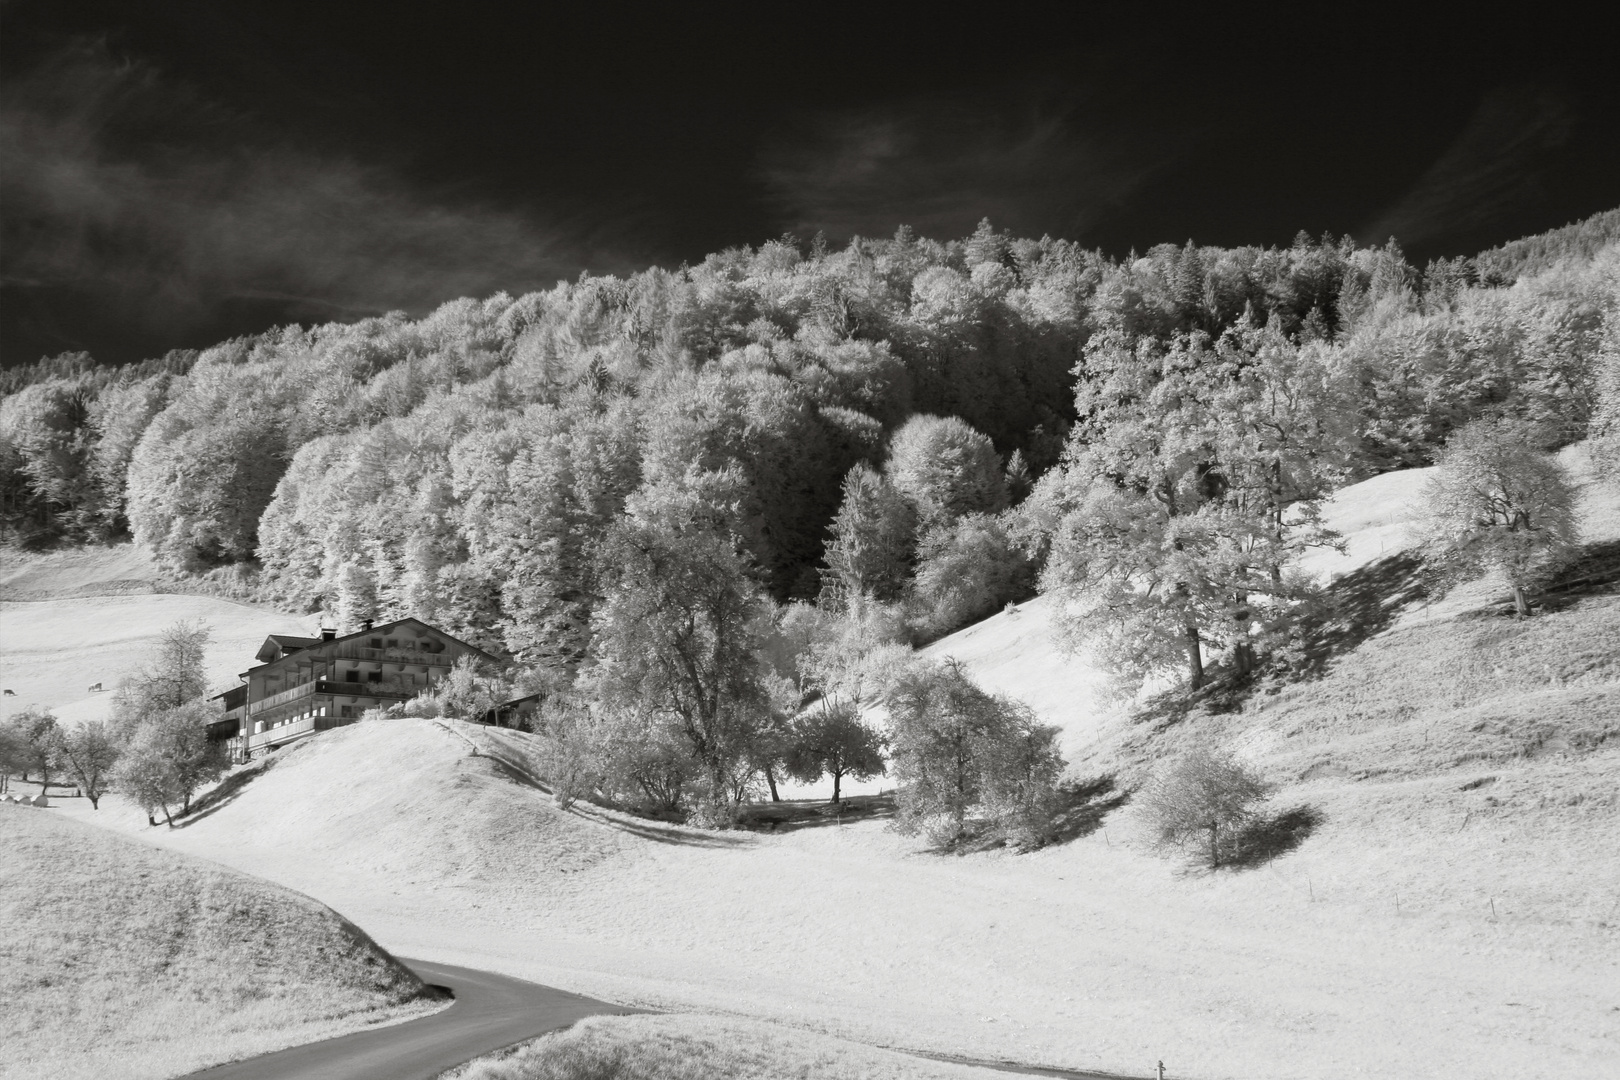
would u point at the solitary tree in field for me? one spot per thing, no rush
(1193, 480)
(1205, 795)
(88, 752)
(1496, 502)
(834, 742)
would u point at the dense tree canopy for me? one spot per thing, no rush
(905, 427)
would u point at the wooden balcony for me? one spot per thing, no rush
(391, 688)
(281, 699)
(348, 651)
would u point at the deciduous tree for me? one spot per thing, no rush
(88, 752)
(946, 469)
(957, 749)
(1496, 502)
(676, 641)
(32, 736)
(835, 742)
(174, 676)
(169, 758)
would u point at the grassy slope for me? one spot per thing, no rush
(121, 959)
(95, 629)
(1092, 954)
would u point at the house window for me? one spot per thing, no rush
(346, 711)
(376, 643)
(393, 643)
(351, 676)
(373, 676)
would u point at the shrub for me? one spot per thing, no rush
(1207, 793)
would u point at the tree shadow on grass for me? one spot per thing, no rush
(228, 791)
(1270, 836)
(1360, 604)
(1595, 572)
(794, 814)
(1083, 806)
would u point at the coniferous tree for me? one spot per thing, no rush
(873, 538)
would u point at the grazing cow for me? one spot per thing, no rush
(95, 689)
(11, 693)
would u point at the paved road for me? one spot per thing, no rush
(491, 1011)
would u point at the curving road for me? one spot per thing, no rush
(490, 1012)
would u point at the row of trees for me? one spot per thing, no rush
(154, 749)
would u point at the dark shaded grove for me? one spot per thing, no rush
(463, 467)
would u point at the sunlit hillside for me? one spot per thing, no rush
(1095, 952)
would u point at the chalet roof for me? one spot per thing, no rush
(276, 644)
(297, 644)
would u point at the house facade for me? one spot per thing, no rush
(304, 685)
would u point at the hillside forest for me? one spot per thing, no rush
(691, 501)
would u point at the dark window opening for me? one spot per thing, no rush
(376, 643)
(346, 711)
(373, 676)
(351, 676)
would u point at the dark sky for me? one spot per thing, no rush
(175, 172)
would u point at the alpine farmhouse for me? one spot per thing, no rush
(304, 685)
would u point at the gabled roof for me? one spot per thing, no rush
(376, 631)
(383, 628)
(276, 644)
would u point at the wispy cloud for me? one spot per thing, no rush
(124, 186)
(1494, 166)
(940, 165)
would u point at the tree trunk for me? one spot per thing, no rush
(1195, 659)
(95, 801)
(1214, 849)
(1243, 652)
(1243, 657)
(166, 816)
(1519, 601)
(770, 781)
(837, 776)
